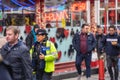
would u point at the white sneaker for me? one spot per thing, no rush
(79, 77)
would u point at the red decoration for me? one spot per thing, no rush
(66, 33)
(59, 55)
(52, 39)
(1, 28)
(27, 29)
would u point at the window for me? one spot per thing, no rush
(102, 17)
(101, 3)
(118, 16)
(111, 17)
(118, 4)
(112, 13)
(111, 4)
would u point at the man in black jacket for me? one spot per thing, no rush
(111, 46)
(99, 37)
(84, 42)
(16, 56)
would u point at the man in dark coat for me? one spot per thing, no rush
(111, 46)
(84, 43)
(16, 56)
(99, 37)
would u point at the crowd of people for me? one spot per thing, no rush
(85, 42)
(35, 59)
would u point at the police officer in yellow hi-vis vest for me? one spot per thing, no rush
(43, 56)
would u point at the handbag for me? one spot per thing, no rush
(94, 56)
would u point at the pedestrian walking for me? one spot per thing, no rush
(84, 42)
(31, 37)
(16, 56)
(44, 56)
(99, 37)
(111, 45)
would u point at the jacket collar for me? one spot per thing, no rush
(7, 46)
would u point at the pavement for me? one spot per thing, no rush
(93, 77)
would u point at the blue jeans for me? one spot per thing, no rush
(79, 58)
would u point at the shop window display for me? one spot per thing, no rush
(111, 15)
(111, 7)
(118, 4)
(111, 4)
(118, 16)
(79, 18)
(101, 3)
(102, 17)
(79, 14)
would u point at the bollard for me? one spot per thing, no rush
(101, 69)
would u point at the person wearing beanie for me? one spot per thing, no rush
(31, 37)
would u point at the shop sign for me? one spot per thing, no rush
(53, 16)
(78, 6)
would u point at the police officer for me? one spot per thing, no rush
(44, 56)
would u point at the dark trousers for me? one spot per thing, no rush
(112, 61)
(79, 58)
(42, 75)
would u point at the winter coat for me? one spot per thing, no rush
(91, 42)
(99, 39)
(18, 59)
(50, 56)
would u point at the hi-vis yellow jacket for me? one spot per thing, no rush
(50, 57)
